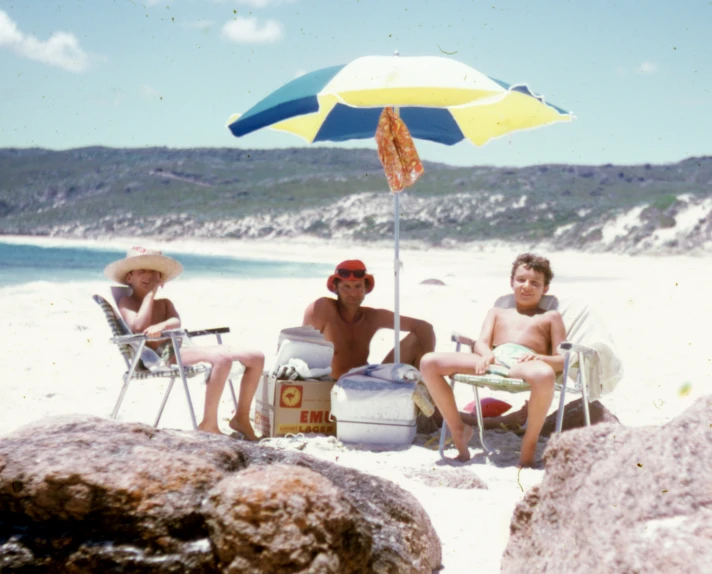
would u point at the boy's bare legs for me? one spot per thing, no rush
(435, 367)
(411, 351)
(254, 362)
(220, 363)
(541, 377)
(221, 359)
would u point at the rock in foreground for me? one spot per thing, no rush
(618, 499)
(574, 417)
(84, 494)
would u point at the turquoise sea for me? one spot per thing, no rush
(24, 263)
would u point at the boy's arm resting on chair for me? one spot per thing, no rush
(172, 320)
(152, 316)
(483, 345)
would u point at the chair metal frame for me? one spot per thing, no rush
(131, 345)
(573, 355)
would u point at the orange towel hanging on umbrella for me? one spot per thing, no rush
(397, 152)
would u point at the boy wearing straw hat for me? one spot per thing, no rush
(351, 327)
(147, 270)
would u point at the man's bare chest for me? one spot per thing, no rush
(340, 332)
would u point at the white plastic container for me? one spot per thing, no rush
(307, 344)
(373, 411)
(371, 432)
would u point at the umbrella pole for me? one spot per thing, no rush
(396, 266)
(396, 269)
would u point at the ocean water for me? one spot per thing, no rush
(25, 263)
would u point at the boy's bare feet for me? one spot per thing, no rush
(243, 427)
(209, 428)
(461, 440)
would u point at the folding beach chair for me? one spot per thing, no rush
(590, 369)
(143, 363)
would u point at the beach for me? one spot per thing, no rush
(58, 359)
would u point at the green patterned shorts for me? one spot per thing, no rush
(168, 354)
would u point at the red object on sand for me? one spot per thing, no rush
(490, 407)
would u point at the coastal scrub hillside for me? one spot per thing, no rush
(342, 193)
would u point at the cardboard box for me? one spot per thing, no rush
(283, 407)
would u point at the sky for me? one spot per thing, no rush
(137, 73)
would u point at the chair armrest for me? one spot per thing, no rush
(135, 338)
(127, 339)
(462, 339)
(568, 346)
(214, 331)
(168, 333)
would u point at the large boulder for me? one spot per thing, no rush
(83, 494)
(574, 417)
(281, 518)
(617, 499)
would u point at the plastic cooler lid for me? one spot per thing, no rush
(306, 334)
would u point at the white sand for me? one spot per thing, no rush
(57, 358)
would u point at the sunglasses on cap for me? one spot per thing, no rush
(346, 273)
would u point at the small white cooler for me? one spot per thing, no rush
(374, 411)
(305, 343)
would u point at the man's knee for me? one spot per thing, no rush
(424, 346)
(410, 341)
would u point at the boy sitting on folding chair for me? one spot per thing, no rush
(517, 343)
(145, 271)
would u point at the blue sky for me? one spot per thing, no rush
(135, 73)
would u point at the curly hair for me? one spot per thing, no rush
(535, 262)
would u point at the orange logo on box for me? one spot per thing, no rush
(291, 396)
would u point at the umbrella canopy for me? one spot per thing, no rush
(439, 99)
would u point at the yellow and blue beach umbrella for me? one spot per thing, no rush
(439, 99)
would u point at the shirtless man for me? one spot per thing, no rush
(351, 327)
(145, 271)
(522, 339)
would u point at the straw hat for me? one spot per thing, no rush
(142, 258)
(350, 270)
